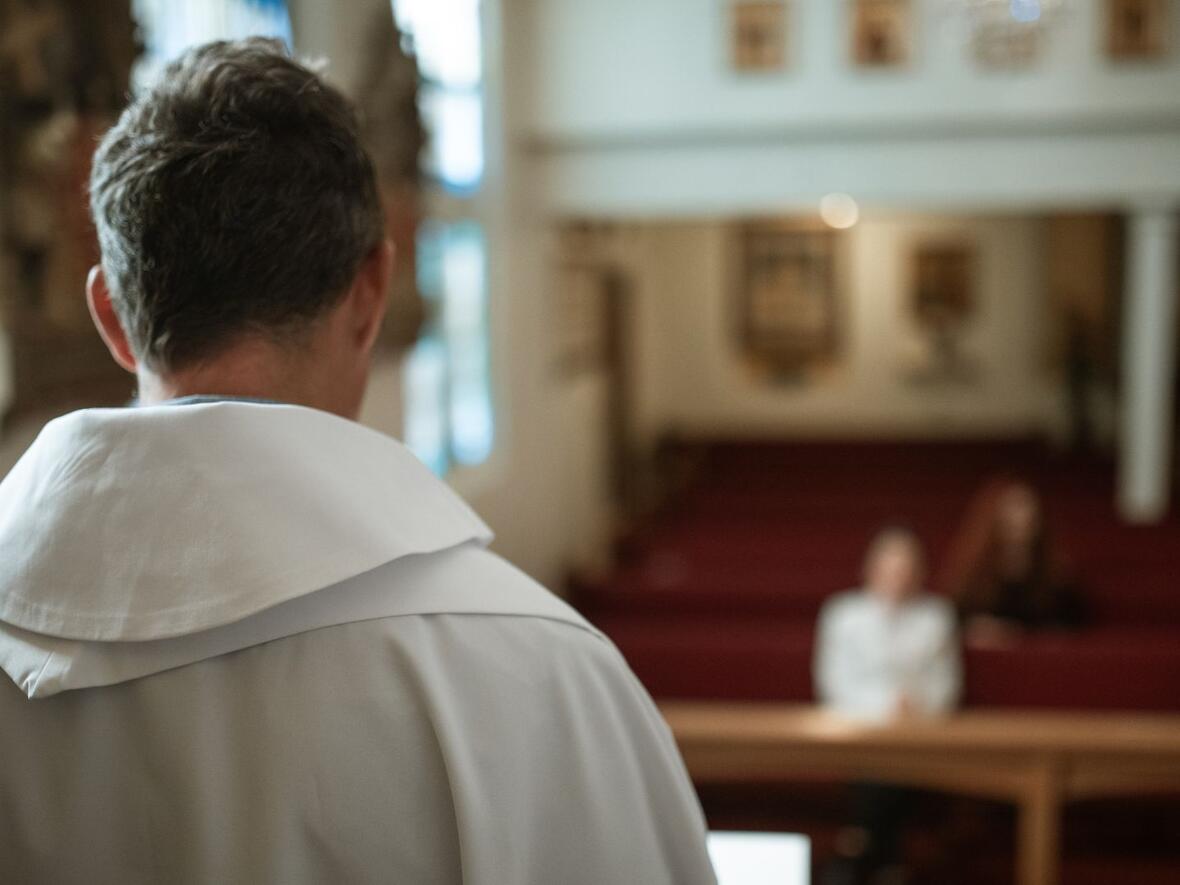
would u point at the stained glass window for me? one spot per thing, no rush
(450, 418)
(168, 27)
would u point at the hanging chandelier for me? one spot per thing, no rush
(1005, 33)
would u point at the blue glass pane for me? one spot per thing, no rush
(431, 247)
(450, 416)
(168, 27)
(445, 36)
(465, 321)
(427, 432)
(454, 150)
(1025, 10)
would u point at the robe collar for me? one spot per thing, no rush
(156, 522)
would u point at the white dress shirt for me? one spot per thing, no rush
(870, 655)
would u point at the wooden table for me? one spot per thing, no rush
(1037, 760)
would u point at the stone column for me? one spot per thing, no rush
(1148, 366)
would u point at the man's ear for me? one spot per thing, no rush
(371, 294)
(106, 320)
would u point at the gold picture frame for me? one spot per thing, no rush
(882, 33)
(943, 301)
(758, 35)
(1137, 30)
(788, 297)
(944, 281)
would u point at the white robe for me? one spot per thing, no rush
(255, 643)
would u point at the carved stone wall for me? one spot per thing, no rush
(64, 75)
(387, 95)
(65, 68)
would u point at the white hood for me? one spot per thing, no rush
(121, 528)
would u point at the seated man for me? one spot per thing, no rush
(249, 640)
(886, 651)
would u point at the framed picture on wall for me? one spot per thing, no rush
(1137, 29)
(758, 35)
(943, 301)
(787, 297)
(882, 33)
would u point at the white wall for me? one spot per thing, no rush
(634, 112)
(586, 512)
(693, 379)
(523, 491)
(628, 68)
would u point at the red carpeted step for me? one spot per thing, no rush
(717, 659)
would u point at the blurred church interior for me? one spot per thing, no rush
(694, 296)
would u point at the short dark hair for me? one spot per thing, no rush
(890, 535)
(234, 197)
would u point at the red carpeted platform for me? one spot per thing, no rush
(716, 598)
